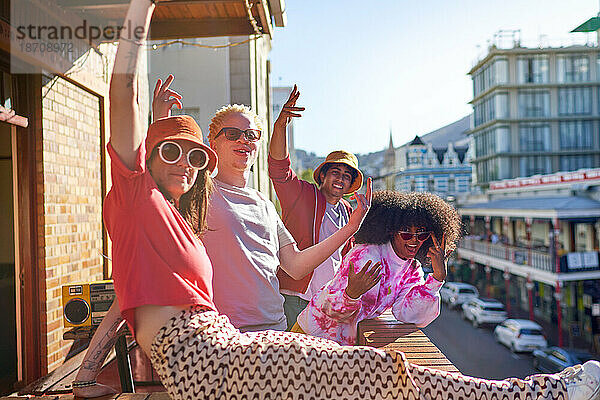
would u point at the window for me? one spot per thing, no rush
(485, 143)
(534, 165)
(534, 137)
(573, 68)
(574, 101)
(575, 162)
(491, 74)
(532, 69)
(487, 170)
(501, 105)
(575, 135)
(501, 70)
(502, 139)
(534, 104)
(490, 108)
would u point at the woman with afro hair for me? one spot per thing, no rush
(400, 232)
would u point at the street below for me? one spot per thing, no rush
(473, 350)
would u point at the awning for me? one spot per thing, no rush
(591, 25)
(565, 207)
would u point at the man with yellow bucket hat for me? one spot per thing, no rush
(311, 213)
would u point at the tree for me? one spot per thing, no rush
(307, 175)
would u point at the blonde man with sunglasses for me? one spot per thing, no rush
(246, 239)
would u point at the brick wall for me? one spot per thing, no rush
(70, 199)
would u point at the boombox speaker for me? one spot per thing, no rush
(85, 304)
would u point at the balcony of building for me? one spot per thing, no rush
(538, 255)
(550, 240)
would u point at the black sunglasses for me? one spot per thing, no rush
(233, 134)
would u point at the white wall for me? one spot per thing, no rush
(201, 75)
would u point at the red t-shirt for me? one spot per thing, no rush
(157, 259)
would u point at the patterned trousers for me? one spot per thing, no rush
(200, 355)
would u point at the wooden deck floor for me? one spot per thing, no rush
(383, 332)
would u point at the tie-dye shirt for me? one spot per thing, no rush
(331, 314)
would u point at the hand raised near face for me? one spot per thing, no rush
(437, 254)
(361, 282)
(289, 110)
(164, 99)
(363, 203)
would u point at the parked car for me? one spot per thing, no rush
(520, 335)
(555, 359)
(456, 293)
(483, 311)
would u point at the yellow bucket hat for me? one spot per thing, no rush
(341, 157)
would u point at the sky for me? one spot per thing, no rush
(365, 67)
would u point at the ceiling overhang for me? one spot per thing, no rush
(176, 19)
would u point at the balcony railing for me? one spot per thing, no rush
(518, 255)
(543, 260)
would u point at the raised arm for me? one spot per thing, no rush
(300, 263)
(278, 149)
(125, 117)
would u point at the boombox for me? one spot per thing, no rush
(85, 304)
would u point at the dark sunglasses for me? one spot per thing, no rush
(171, 152)
(233, 134)
(421, 236)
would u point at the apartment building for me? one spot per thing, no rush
(536, 109)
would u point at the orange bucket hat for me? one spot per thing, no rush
(178, 127)
(341, 157)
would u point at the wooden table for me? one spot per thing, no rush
(387, 333)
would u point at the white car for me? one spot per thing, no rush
(456, 293)
(483, 311)
(520, 335)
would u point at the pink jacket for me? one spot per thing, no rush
(303, 208)
(332, 315)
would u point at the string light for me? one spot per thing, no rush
(157, 46)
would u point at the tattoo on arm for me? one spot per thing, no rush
(102, 348)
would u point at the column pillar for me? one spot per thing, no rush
(472, 227)
(529, 244)
(557, 292)
(488, 280)
(488, 234)
(505, 222)
(558, 298)
(506, 276)
(529, 286)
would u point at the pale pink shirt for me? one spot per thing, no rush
(331, 314)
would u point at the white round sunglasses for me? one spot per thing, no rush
(171, 153)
